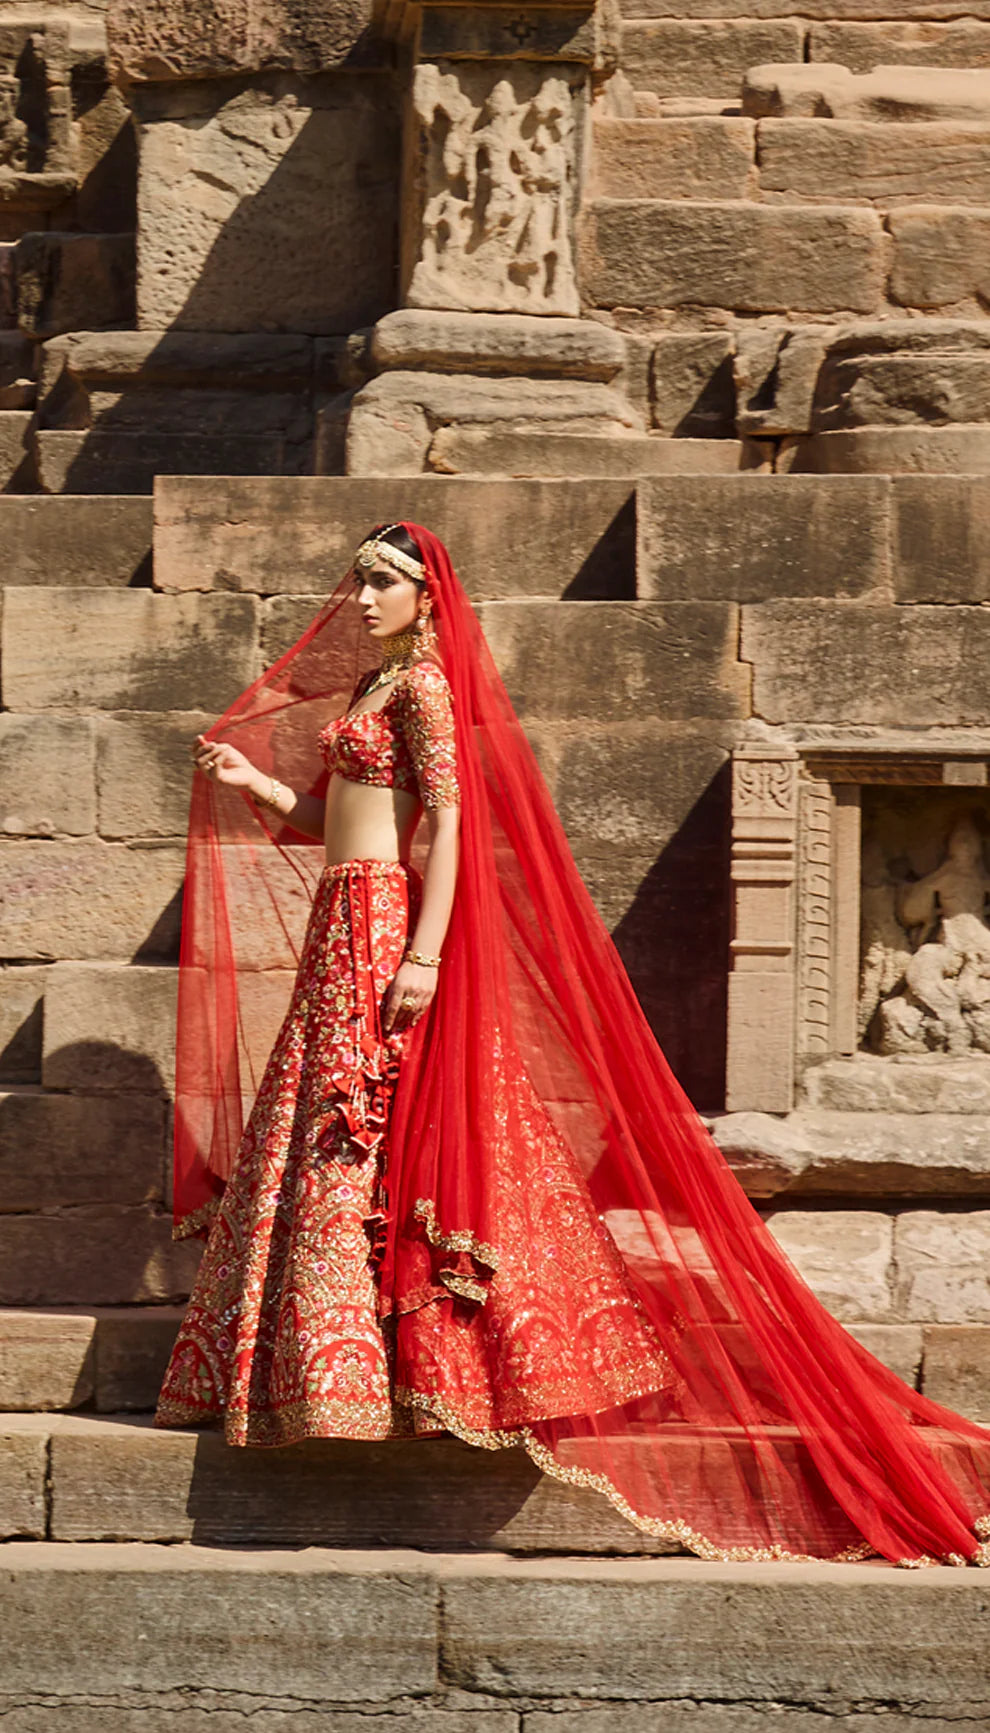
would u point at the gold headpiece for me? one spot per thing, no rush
(375, 548)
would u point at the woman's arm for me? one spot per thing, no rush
(223, 763)
(417, 982)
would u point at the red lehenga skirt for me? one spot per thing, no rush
(287, 1336)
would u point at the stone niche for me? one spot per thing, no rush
(861, 913)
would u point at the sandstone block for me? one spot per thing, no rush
(896, 1346)
(941, 256)
(131, 1354)
(93, 1255)
(941, 551)
(90, 900)
(889, 451)
(46, 775)
(901, 390)
(452, 342)
(930, 1083)
(597, 662)
(745, 538)
(827, 9)
(46, 1360)
(751, 258)
(17, 371)
(704, 57)
(75, 541)
(106, 365)
(891, 93)
(128, 463)
(690, 157)
(69, 282)
(888, 164)
(494, 451)
(956, 1370)
(506, 537)
(559, 32)
(126, 649)
(166, 40)
(16, 463)
(943, 1266)
(870, 1154)
(144, 774)
(109, 1028)
(692, 386)
(22, 992)
(857, 662)
(75, 1149)
(845, 1256)
(221, 197)
(863, 46)
(777, 372)
(22, 1485)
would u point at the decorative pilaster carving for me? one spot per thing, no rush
(760, 1068)
(815, 959)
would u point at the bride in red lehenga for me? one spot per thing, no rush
(470, 1196)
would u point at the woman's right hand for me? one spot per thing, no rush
(223, 763)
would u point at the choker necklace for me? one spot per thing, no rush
(399, 651)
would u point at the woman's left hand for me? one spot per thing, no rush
(408, 997)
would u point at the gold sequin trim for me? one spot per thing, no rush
(461, 1240)
(196, 1220)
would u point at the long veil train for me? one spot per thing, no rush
(772, 1434)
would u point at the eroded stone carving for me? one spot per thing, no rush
(498, 193)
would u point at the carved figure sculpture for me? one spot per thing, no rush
(13, 132)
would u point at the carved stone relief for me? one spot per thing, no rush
(498, 166)
(37, 152)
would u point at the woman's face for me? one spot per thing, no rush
(389, 603)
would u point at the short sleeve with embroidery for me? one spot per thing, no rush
(426, 714)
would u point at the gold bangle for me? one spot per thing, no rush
(272, 797)
(424, 962)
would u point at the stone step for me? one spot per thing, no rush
(75, 539)
(132, 1635)
(109, 1359)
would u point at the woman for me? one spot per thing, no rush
(470, 1195)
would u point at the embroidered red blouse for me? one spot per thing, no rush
(407, 744)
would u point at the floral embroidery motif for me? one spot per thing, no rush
(407, 744)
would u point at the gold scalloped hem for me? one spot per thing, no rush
(677, 1529)
(461, 1240)
(193, 1224)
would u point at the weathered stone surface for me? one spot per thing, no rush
(132, 1350)
(126, 650)
(89, 366)
(753, 258)
(708, 57)
(95, 1255)
(943, 1266)
(742, 538)
(565, 32)
(856, 662)
(393, 417)
(901, 390)
(941, 255)
(776, 371)
(75, 1149)
(599, 662)
(68, 282)
(90, 899)
(46, 1360)
(16, 464)
(46, 775)
(22, 991)
(454, 342)
(166, 40)
(529, 537)
(889, 451)
(694, 157)
(692, 387)
(221, 196)
(22, 1484)
(930, 1083)
(303, 1624)
(896, 1346)
(869, 1154)
(127, 1482)
(143, 773)
(497, 451)
(941, 544)
(17, 371)
(889, 164)
(836, 90)
(75, 541)
(109, 1028)
(128, 463)
(845, 1256)
(861, 47)
(957, 1368)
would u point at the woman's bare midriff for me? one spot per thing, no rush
(364, 822)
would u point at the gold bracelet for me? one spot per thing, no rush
(424, 962)
(271, 798)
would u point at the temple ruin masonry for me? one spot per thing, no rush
(670, 317)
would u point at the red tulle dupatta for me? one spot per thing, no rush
(775, 1435)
